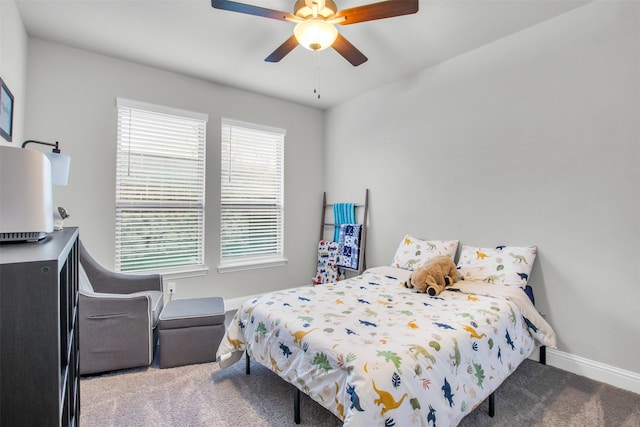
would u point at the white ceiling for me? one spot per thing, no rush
(190, 37)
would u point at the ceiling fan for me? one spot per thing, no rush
(315, 23)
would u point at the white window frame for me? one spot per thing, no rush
(263, 193)
(160, 169)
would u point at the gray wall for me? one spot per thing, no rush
(13, 64)
(71, 99)
(533, 139)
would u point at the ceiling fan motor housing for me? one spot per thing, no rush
(302, 9)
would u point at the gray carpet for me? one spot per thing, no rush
(205, 395)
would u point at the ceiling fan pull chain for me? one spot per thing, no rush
(316, 90)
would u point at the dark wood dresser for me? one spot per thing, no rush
(39, 366)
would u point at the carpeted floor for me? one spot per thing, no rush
(205, 395)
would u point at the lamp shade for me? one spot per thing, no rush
(60, 164)
(315, 34)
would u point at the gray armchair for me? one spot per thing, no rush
(118, 313)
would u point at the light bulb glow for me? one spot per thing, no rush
(315, 34)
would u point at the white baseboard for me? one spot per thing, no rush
(611, 375)
(616, 377)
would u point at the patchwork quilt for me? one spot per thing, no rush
(348, 245)
(377, 354)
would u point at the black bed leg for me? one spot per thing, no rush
(248, 363)
(296, 406)
(492, 404)
(543, 354)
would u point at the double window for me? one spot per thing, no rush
(251, 200)
(160, 183)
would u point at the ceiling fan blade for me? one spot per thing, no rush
(381, 10)
(251, 10)
(283, 50)
(348, 51)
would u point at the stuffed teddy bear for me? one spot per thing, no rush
(433, 276)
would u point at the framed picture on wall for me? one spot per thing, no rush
(6, 111)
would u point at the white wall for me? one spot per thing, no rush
(13, 65)
(71, 99)
(532, 139)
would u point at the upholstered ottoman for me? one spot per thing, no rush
(190, 330)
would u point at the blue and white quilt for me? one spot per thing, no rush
(375, 353)
(348, 244)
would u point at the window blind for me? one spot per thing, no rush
(252, 192)
(160, 183)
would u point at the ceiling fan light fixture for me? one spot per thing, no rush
(315, 34)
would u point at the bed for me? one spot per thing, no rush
(376, 353)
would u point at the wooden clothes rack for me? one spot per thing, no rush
(363, 233)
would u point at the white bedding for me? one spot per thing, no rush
(375, 353)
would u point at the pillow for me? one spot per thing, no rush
(505, 265)
(413, 252)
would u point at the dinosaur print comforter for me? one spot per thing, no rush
(377, 354)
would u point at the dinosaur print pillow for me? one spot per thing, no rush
(504, 265)
(413, 252)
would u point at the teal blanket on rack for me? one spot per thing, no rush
(343, 213)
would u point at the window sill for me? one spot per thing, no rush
(195, 271)
(231, 267)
